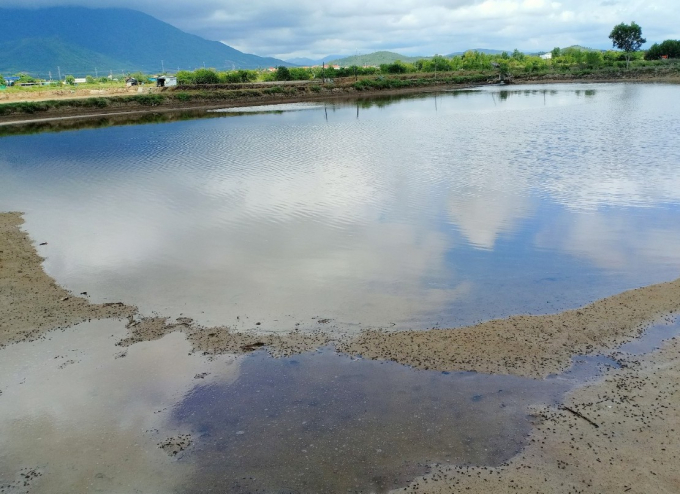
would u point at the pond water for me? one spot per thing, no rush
(399, 212)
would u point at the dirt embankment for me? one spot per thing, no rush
(36, 106)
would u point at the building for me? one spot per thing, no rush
(11, 80)
(547, 56)
(166, 81)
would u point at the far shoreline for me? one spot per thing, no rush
(168, 101)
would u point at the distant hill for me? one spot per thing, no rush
(480, 50)
(308, 62)
(582, 48)
(79, 39)
(375, 58)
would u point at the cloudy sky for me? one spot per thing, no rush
(413, 27)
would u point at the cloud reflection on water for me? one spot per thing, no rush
(86, 417)
(365, 217)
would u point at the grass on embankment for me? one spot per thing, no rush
(206, 95)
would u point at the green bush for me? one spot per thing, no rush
(283, 74)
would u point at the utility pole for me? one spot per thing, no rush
(356, 55)
(162, 67)
(59, 69)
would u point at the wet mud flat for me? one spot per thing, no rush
(627, 444)
(321, 422)
(225, 415)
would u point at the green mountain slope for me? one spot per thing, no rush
(376, 58)
(486, 51)
(57, 56)
(118, 39)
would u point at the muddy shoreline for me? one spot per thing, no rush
(614, 435)
(32, 304)
(341, 92)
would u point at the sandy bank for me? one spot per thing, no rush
(534, 346)
(634, 447)
(31, 303)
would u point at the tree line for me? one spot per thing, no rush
(627, 38)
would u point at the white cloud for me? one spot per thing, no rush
(317, 28)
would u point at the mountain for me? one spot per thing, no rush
(486, 51)
(375, 58)
(307, 62)
(79, 39)
(582, 48)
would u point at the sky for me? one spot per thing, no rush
(316, 28)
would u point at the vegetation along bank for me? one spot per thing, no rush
(206, 88)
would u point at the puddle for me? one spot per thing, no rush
(79, 414)
(654, 337)
(321, 422)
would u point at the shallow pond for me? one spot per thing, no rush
(406, 212)
(419, 211)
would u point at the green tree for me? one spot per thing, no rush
(556, 52)
(205, 76)
(627, 38)
(593, 58)
(70, 80)
(2, 80)
(185, 77)
(397, 67)
(90, 80)
(282, 74)
(24, 77)
(669, 48)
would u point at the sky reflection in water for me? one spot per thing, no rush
(409, 212)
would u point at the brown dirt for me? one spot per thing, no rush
(220, 340)
(53, 94)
